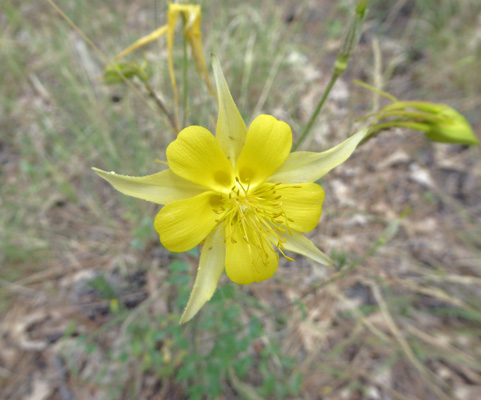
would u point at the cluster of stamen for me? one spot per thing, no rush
(258, 214)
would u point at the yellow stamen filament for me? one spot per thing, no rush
(258, 214)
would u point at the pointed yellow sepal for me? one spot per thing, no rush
(143, 41)
(231, 129)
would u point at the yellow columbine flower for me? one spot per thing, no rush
(241, 192)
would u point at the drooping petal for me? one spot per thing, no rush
(211, 265)
(196, 156)
(161, 188)
(183, 224)
(246, 263)
(302, 204)
(143, 41)
(231, 129)
(267, 146)
(297, 243)
(304, 166)
(194, 36)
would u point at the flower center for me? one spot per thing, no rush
(256, 215)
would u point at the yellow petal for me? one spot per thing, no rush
(194, 36)
(211, 265)
(183, 224)
(143, 41)
(304, 166)
(246, 263)
(297, 243)
(267, 146)
(196, 156)
(161, 188)
(231, 129)
(302, 204)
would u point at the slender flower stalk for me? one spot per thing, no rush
(241, 193)
(349, 43)
(121, 71)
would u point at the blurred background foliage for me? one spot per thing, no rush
(90, 300)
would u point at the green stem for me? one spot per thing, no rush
(316, 112)
(161, 106)
(349, 42)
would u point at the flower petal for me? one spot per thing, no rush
(183, 224)
(267, 146)
(193, 34)
(247, 263)
(143, 41)
(211, 265)
(299, 244)
(304, 166)
(302, 204)
(196, 156)
(161, 188)
(231, 129)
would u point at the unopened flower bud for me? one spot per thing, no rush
(451, 127)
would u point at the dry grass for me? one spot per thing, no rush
(400, 318)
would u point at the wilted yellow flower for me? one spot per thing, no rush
(191, 14)
(241, 192)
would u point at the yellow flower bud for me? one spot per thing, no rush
(439, 122)
(449, 127)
